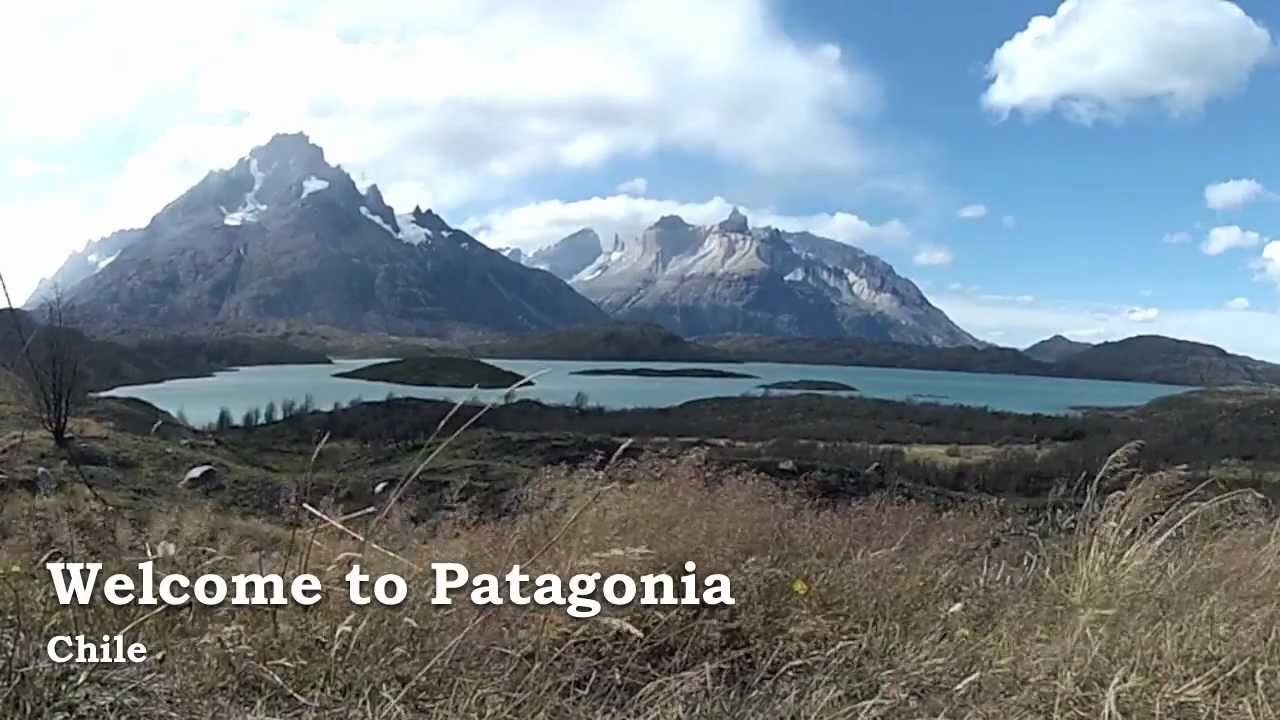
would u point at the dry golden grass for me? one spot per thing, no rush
(1154, 605)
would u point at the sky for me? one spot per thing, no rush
(1095, 168)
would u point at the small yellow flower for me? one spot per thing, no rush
(799, 587)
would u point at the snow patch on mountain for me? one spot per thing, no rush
(102, 263)
(249, 209)
(313, 184)
(379, 221)
(415, 234)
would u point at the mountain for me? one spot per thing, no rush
(1055, 349)
(95, 256)
(284, 235)
(510, 253)
(1155, 358)
(568, 257)
(732, 278)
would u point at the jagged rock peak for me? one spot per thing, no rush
(584, 238)
(378, 207)
(735, 223)
(429, 220)
(292, 155)
(670, 221)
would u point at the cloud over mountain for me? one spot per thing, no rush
(446, 103)
(536, 225)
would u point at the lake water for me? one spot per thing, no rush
(243, 389)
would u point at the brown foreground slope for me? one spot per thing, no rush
(847, 604)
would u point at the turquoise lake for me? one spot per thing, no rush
(200, 399)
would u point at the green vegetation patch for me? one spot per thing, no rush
(437, 372)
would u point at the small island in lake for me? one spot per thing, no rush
(437, 372)
(667, 373)
(819, 385)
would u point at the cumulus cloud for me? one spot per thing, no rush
(1101, 59)
(972, 212)
(1176, 238)
(536, 225)
(634, 186)
(1142, 314)
(1230, 237)
(1240, 303)
(445, 104)
(1269, 264)
(1233, 194)
(932, 255)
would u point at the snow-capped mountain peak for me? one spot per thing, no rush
(731, 277)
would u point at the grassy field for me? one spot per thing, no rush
(1144, 596)
(876, 609)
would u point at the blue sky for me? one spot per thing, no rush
(1085, 137)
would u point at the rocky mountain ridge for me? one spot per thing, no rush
(729, 277)
(283, 234)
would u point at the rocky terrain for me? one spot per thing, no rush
(284, 235)
(568, 257)
(730, 277)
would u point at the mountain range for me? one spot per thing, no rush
(284, 235)
(729, 277)
(282, 238)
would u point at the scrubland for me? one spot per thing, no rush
(1149, 598)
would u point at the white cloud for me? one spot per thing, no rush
(1240, 303)
(533, 226)
(1176, 238)
(1019, 299)
(1233, 194)
(25, 168)
(1101, 59)
(444, 103)
(932, 255)
(1146, 292)
(1269, 264)
(972, 212)
(1142, 314)
(1229, 237)
(634, 186)
(1009, 222)
(1251, 332)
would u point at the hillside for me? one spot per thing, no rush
(1055, 349)
(109, 364)
(852, 351)
(1154, 358)
(612, 341)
